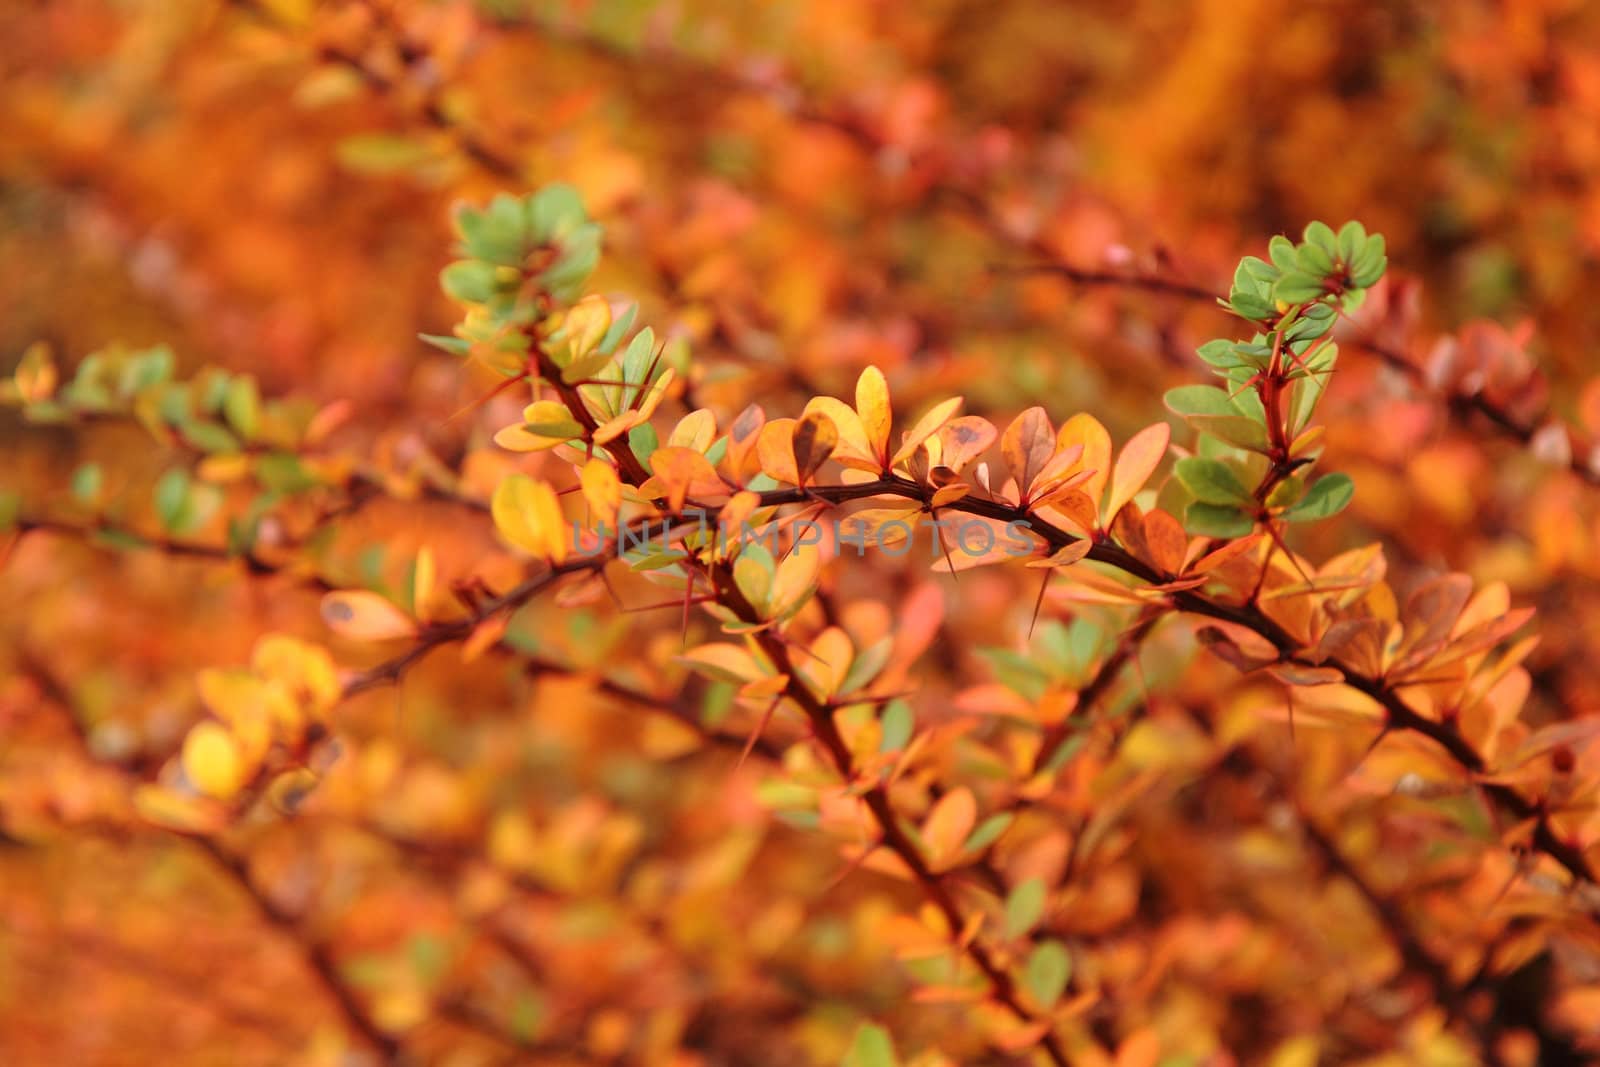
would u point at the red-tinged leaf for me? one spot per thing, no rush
(1486, 636)
(365, 616)
(742, 438)
(1075, 507)
(1222, 645)
(1578, 734)
(1165, 541)
(1139, 459)
(964, 440)
(1230, 551)
(1432, 609)
(977, 541)
(1063, 471)
(1486, 605)
(1028, 446)
(1358, 643)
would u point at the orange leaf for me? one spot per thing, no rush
(926, 427)
(948, 825)
(1086, 430)
(1139, 459)
(365, 616)
(775, 446)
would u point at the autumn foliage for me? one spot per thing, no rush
(701, 534)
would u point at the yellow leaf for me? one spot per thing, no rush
(518, 439)
(828, 662)
(724, 662)
(212, 761)
(1139, 459)
(528, 515)
(365, 616)
(926, 427)
(652, 398)
(695, 430)
(585, 325)
(163, 807)
(304, 669)
(872, 404)
(796, 580)
(602, 490)
(948, 825)
(422, 579)
(852, 449)
(251, 706)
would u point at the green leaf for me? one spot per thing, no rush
(644, 442)
(456, 346)
(1216, 520)
(1240, 430)
(1211, 481)
(1352, 237)
(172, 499)
(1024, 906)
(1282, 252)
(527, 1016)
(86, 483)
(896, 726)
(209, 437)
(1298, 287)
(872, 1047)
(988, 832)
(1314, 259)
(1322, 235)
(1328, 496)
(555, 211)
(1199, 400)
(378, 154)
(242, 406)
(469, 281)
(867, 665)
(1049, 966)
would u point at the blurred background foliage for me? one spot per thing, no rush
(949, 190)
